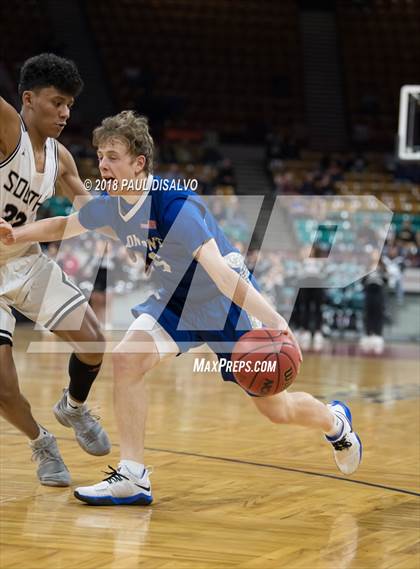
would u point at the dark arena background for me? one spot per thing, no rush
(291, 119)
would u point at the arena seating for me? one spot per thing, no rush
(221, 75)
(380, 52)
(32, 35)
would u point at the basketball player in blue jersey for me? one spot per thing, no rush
(32, 163)
(205, 295)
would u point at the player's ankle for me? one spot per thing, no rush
(337, 428)
(42, 433)
(72, 404)
(136, 469)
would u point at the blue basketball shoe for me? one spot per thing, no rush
(119, 488)
(347, 445)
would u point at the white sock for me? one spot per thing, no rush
(72, 405)
(337, 429)
(42, 433)
(135, 468)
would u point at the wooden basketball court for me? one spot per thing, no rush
(231, 490)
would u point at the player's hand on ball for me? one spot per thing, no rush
(7, 236)
(293, 337)
(283, 326)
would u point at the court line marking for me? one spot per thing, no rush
(286, 469)
(262, 465)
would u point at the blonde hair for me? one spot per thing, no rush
(130, 128)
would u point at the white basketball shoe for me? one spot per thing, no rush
(119, 488)
(347, 445)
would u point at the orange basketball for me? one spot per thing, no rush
(265, 361)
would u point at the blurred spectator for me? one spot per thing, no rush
(206, 179)
(323, 186)
(184, 160)
(406, 237)
(68, 260)
(307, 188)
(335, 171)
(356, 163)
(272, 280)
(366, 234)
(218, 209)
(235, 224)
(307, 314)
(227, 211)
(281, 146)
(226, 175)
(374, 309)
(183, 154)
(284, 183)
(394, 264)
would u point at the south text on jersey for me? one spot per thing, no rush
(20, 188)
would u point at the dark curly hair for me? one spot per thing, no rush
(50, 70)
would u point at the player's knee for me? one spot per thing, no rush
(126, 363)
(96, 338)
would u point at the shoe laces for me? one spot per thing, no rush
(114, 476)
(342, 444)
(87, 418)
(40, 454)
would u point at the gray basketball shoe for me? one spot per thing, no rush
(51, 469)
(89, 433)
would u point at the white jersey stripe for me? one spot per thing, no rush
(5, 333)
(56, 163)
(68, 307)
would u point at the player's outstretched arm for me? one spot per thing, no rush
(6, 232)
(237, 289)
(43, 231)
(9, 129)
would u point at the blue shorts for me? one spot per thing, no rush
(218, 322)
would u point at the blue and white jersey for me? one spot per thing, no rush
(167, 226)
